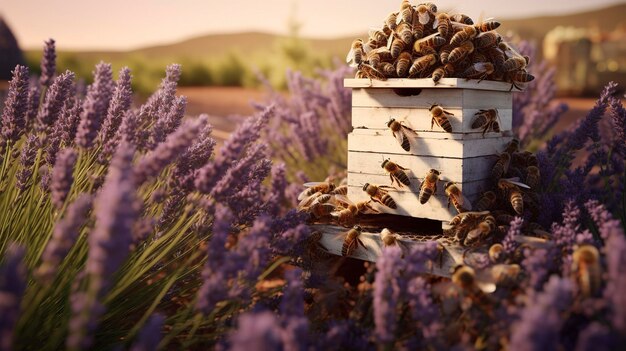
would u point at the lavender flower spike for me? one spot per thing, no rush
(62, 176)
(260, 331)
(150, 335)
(120, 103)
(12, 286)
(48, 63)
(27, 160)
(387, 292)
(65, 233)
(153, 163)
(95, 106)
(56, 96)
(515, 229)
(15, 106)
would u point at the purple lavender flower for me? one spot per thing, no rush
(150, 335)
(541, 321)
(27, 160)
(196, 156)
(423, 308)
(160, 102)
(388, 288)
(238, 175)
(62, 176)
(597, 337)
(153, 163)
(125, 132)
(538, 263)
(34, 94)
(71, 119)
(168, 122)
(515, 229)
(48, 63)
(259, 331)
(15, 106)
(420, 256)
(66, 231)
(292, 303)
(12, 286)
(276, 196)
(56, 96)
(95, 106)
(120, 103)
(247, 133)
(607, 225)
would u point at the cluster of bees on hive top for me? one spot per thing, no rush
(419, 42)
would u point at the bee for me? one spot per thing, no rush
(352, 241)
(532, 177)
(397, 46)
(486, 201)
(385, 28)
(496, 56)
(314, 187)
(456, 198)
(429, 185)
(396, 172)
(442, 23)
(512, 146)
(320, 210)
(356, 53)
(316, 198)
(514, 63)
(480, 70)
(360, 75)
(403, 63)
(487, 120)
(486, 227)
(487, 26)
(440, 116)
(347, 216)
(517, 78)
(471, 284)
(505, 274)
(418, 28)
(460, 52)
(444, 53)
(485, 40)
(433, 40)
(340, 190)
(379, 194)
(461, 18)
(424, 11)
(511, 188)
(530, 158)
(378, 36)
(438, 73)
(501, 167)
(466, 34)
(421, 64)
(391, 20)
(466, 217)
(378, 55)
(406, 11)
(387, 69)
(371, 72)
(314, 248)
(404, 33)
(402, 133)
(496, 253)
(587, 270)
(390, 239)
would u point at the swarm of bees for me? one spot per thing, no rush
(419, 42)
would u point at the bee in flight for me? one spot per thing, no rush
(396, 173)
(402, 133)
(440, 116)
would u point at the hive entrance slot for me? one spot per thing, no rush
(407, 91)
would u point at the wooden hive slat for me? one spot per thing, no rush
(449, 98)
(444, 83)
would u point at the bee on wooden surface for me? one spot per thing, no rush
(514, 63)
(485, 228)
(378, 55)
(587, 270)
(479, 70)
(420, 64)
(425, 11)
(487, 26)
(320, 210)
(352, 241)
(393, 239)
(466, 34)
(503, 217)
(442, 72)
(340, 190)
(488, 121)
(461, 18)
(405, 33)
(533, 177)
(391, 20)
(485, 40)
(501, 167)
(360, 75)
(519, 78)
(443, 25)
(511, 187)
(456, 198)
(378, 36)
(496, 253)
(402, 133)
(347, 216)
(486, 201)
(371, 72)
(396, 173)
(356, 54)
(467, 217)
(379, 194)
(512, 146)
(444, 53)
(397, 47)
(403, 63)
(406, 11)
(317, 198)
(314, 249)
(460, 52)
(418, 28)
(433, 40)
(429, 185)
(387, 69)
(314, 187)
(441, 117)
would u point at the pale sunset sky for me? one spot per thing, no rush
(127, 24)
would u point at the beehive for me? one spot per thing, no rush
(464, 156)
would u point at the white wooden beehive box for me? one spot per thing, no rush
(463, 156)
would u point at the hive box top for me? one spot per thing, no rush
(459, 83)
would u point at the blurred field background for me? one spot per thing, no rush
(221, 72)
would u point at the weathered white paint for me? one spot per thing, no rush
(450, 98)
(470, 187)
(428, 83)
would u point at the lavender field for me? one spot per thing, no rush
(127, 227)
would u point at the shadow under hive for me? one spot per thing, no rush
(464, 156)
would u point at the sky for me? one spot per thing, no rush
(128, 24)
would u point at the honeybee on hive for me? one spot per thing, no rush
(402, 133)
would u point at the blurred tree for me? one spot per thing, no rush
(10, 53)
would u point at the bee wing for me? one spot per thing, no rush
(399, 135)
(310, 184)
(487, 286)
(350, 58)
(532, 241)
(424, 17)
(390, 41)
(343, 200)
(480, 66)
(410, 133)
(307, 201)
(435, 22)
(515, 180)
(458, 25)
